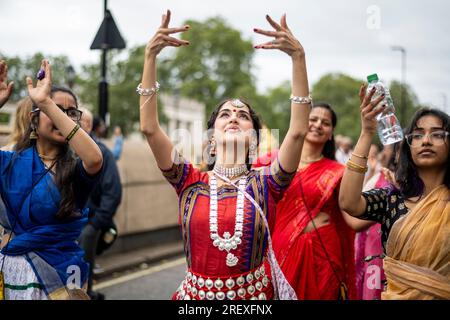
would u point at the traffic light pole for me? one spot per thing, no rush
(103, 90)
(107, 37)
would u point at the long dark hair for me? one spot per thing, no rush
(407, 176)
(329, 149)
(212, 120)
(65, 162)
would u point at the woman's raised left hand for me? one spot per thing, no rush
(283, 40)
(40, 95)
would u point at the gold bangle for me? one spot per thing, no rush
(359, 156)
(353, 164)
(72, 133)
(355, 170)
(356, 167)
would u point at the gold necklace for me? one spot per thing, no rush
(311, 161)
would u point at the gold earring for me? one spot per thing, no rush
(212, 151)
(33, 134)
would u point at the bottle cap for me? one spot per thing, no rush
(372, 77)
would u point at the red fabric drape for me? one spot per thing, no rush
(301, 255)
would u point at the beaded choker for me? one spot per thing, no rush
(230, 172)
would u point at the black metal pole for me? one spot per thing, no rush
(103, 90)
(103, 85)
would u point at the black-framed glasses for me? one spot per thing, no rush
(437, 138)
(72, 112)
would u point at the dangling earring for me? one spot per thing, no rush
(33, 134)
(252, 152)
(212, 150)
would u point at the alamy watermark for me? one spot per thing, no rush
(373, 21)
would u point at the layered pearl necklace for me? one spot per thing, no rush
(227, 242)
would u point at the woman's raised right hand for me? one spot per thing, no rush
(369, 110)
(162, 39)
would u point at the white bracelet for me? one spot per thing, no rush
(301, 100)
(147, 92)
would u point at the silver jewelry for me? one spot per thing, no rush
(230, 172)
(227, 242)
(237, 103)
(147, 92)
(301, 100)
(252, 152)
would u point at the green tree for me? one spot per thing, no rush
(341, 92)
(216, 65)
(406, 108)
(277, 108)
(19, 68)
(123, 74)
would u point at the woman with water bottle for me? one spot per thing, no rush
(414, 212)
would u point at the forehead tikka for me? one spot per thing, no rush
(237, 103)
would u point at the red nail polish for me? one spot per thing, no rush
(254, 29)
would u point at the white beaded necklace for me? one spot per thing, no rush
(227, 242)
(231, 172)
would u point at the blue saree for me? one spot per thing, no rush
(49, 244)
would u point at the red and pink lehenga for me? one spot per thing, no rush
(313, 272)
(208, 276)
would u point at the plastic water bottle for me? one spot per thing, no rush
(389, 128)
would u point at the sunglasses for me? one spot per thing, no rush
(72, 112)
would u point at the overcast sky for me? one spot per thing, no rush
(350, 36)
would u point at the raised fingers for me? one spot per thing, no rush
(268, 45)
(362, 92)
(165, 19)
(173, 41)
(29, 84)
(270, 33)
(283, 22)
(369, 105)
(375, 108)
(48, 70)
(3, 70)
(368, 98)
(275, 25)
(174, 30)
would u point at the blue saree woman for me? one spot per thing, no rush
(44, 187)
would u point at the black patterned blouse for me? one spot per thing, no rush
(384, 206)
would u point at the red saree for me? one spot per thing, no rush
(301, 256)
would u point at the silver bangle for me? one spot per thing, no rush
(147, 92)
(301, 100)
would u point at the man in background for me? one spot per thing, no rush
(103, 201)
